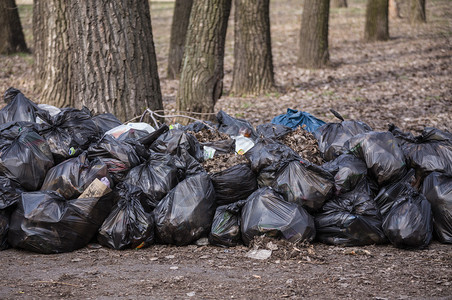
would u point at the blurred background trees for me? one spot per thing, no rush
(181, 17)
(11, 34)
(103, 56)
(313, 51)
(96, 55)
(417, 11)
(253, 60)
(201, 82)
(377, 26)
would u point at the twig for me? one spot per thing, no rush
(152, 113)
(133, 119)
(192, 112)
(181, 116)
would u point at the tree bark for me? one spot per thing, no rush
(253, 63)
(394, 10)
(113, 60)
(52, 65)
(201, 82)
(417, 12)
(339, 3)
(181, 17)
(11, 35)
(376, 28)
(313, 48)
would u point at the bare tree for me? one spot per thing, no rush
(11, 35)
(52, 65)
(417, 11)
(313, 49)
(113, 61)
(181, 17)
(338, 3)
(394, 10)
(253, 63)
(201, 81)
(376, 28)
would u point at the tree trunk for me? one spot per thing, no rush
(181, 17)
(339, 3)
(394, 10)
(11, 35)
(253, 64)
(52, 65)
(201, 82)
(417, 11)
(313, 47)
(376, 28)
(113, 60)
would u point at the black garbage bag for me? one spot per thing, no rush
(186, 213)
(225, 229)
(156, 177)
(71, 177)
(272, 131)
(221, 146)
(10, 192)
(332, 137)
(305, 184)
(105, 122)
(351, 219)
(267, 157)
(198, 126)
(388, 194)
(234, 127)
(234, 184)
(267, 213)
(187, 165)
(151, 137)
(119, 156)
(268, 152)
(133, 134)
(25, 156)
(4, 227)
(45, 222)
(129, 224)
(69, 133)
(176, 140)
(437, 188)
(11, 130)
(382, 154)
(408, 223)
(347, 170)
(429, 152)
(141, 150)
(10, 94)
(19, 108)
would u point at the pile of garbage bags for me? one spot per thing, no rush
(69, 178)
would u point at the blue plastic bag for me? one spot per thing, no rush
(294, 118)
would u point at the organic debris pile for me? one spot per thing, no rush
(222, 162)
(305, 144)
(209, 135)
(68, 177)
(284, 250)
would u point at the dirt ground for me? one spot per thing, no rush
(406, 81)
(208, 272)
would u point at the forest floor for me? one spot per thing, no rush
(406, 81)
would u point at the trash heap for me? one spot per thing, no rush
(69, 178)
